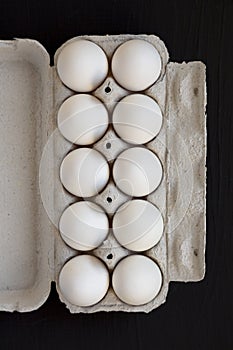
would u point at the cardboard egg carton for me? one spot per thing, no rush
(32, 252)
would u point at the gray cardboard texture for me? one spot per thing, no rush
(32, 252)
(26, 243)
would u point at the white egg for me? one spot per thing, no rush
(137, 119)
(84, 280)
(84, 172)
(82, 65)
(82, 119)
(137, 171)
(84, 225)
(137, 280)
(136, 65)
(138, 225)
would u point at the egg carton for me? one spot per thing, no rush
(32, 252)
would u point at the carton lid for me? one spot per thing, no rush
(26, 243)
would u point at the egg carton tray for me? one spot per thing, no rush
(32, 252)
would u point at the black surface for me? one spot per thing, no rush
(196, 315)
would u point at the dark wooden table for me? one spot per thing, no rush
(196, 315)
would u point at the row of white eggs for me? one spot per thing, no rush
(84, 280)
(135, 65)
(83, 119)
(137, 172)
(137, 225)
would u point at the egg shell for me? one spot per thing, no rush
(84, 280)
(82, 119)
(82, 65)
(137, 171)
(84, 225)
(138, 225)
(84, 172)
(137, 119)
(136, 280)
(136, 65)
